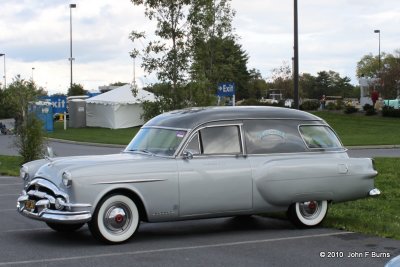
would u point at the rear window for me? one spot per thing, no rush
(319, 136)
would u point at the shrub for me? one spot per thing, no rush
(310, 105)
(367, 107)
(350, 109)
(390, 112)
(339, 104)
(369, 110)
(331, 106)
(30, 139)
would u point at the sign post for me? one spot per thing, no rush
(226, 89)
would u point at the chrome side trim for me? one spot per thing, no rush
(374, 192)
(133, 181)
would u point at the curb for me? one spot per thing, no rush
(374, 147)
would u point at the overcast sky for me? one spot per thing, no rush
(333, 35)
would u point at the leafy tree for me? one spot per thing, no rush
(256, 86)
(228, 64)
(168, 56)
(29, 141)
(307, 86)
(76, 89)
(283, 80)
(217, 57)
(368, 66)
(389, 72)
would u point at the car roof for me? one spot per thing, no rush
(192, 117)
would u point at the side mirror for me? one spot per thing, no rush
(187, 155)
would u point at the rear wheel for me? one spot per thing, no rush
(60, 227)
(115, 219)
(309, 213)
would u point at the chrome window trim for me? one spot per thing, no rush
(191, 135)
(341, 148)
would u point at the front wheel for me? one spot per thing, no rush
(115, 219)
(309, 213)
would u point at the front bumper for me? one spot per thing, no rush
(43, 201)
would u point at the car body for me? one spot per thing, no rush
(200, 163)
(394, 103)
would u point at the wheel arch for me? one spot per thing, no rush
(129, 193)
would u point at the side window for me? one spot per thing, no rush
(319, 136)
(194, 145)
(221, 140)
(272, 136)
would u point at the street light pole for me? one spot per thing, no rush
(33, 68)
(296, 59)
(71, 6)
(379, 49)
(5, 81)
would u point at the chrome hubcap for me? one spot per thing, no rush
(310, 209)
(117, 218)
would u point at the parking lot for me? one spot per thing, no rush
(254, 241)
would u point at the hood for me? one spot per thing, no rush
(80, 166)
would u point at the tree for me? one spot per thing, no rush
(256, 86)
(283, 80)
(228, 64)
(169, 55)
(217, 57)
(20, 94)
(76, 89)
(389, 73)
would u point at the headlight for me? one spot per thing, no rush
(24, 173)
(67, 179)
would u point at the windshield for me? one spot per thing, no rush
(155, 141)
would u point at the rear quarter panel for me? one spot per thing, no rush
(283, 180)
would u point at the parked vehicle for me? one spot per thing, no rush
(200, 163)
(394, 103)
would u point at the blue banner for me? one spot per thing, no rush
(226, 89)
(59, 103)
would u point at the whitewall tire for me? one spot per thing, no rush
(309, 213)
(115, 219)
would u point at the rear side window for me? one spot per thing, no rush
(319, 136)
(273, 136)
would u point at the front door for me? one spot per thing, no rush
(218, 177)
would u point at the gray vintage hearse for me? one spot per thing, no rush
(200, 163)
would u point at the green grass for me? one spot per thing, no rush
(358, 129)
(377, 216)
(9, 165)
(94, 134)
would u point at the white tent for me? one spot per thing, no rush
(117, 108)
